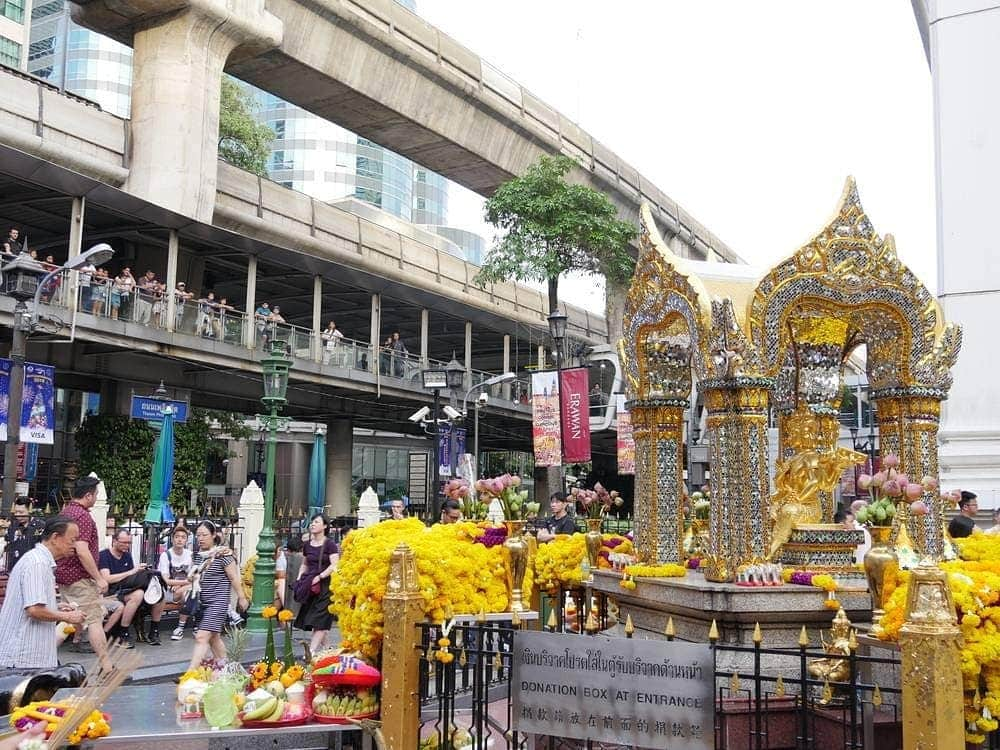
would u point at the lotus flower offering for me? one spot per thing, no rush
(507, 489)
(887, 488)
(597, 502)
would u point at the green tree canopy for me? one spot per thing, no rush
(552, 227)
(243, 141)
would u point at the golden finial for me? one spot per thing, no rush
(430, 668)
(876, 697)
(734, 683)
(803, 638)
(497, 662)
(481, 617)
(430, 654)
(515, 619)
(713, 632)
(629, 626)
(462, 660)
(827, 692)
(852, 642)
(757, 636)
(552, 622)
(669, 631)
(779, 687)
(591, 625)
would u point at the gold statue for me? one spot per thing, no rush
(797, 483)
(834, 668)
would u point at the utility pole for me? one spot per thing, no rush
(18, 350)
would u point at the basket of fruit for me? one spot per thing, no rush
(338, 670)
(264, 710)
(338, 705)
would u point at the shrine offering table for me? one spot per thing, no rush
(145, 716)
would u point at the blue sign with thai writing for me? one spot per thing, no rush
(151, 409)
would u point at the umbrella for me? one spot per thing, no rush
(163, 473)
(317, 476)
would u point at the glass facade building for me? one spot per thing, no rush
(14, 18)
(309, 154)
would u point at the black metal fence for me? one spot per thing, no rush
(765, 698)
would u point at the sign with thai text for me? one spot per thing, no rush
(545, 436)
(38, 402)
(574, 398)
(626, 440)
(151, 409)
(650, 694)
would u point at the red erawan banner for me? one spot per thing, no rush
(574, 398)
(545, 418)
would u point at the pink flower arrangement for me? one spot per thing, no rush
(887, 487)
(506, 489)
(596, 502)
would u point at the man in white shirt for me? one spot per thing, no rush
(29, 614)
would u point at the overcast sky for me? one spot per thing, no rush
(748, 114)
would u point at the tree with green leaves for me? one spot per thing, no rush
(552, 227)
(243, 141)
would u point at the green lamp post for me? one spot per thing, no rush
(275, 369)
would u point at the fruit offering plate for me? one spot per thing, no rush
(293, 722)
(321, 719)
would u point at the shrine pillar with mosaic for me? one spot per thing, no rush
(737, 423)
(666, 315)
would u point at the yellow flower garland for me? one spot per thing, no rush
(455, 575)
(667, 570)
(558, 563)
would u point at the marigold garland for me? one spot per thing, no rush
(667, 570)
(558, 563)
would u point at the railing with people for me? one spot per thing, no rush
(145, 302)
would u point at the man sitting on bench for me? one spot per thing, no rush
(133, 584)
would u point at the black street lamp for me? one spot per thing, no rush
(557, 330)
(275, 368)
(434, 379)
(455, 373)
(25, 278)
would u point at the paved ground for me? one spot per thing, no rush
(163, 663)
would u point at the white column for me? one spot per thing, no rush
(339, 461)
(75, 247)
(541, 356)
(249, 329)
(375, 334)
(965, 70)
(468, 354)
(173, 251)
(317, 317)
(425, 322)
(506, 365)
(251, 510)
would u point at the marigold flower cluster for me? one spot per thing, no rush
(558, 563)
(262, 673)
(975, 588)
(93, 726)
(667, 570)
(454, 575)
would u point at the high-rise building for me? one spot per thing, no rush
(15, 16)
(309, 154)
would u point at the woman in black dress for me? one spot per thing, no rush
(319, 562)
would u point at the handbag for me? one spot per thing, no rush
(303, 589)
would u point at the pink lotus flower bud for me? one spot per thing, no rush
(859, 504)
(890, 461)
(929, 483)
(879, 479)
(864, 481)
(598, 487)
(913, 491)
(919, 508)
(955, 496)
(902, 479)
(892, 488)
(515, 481)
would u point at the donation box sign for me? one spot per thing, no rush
(650, 694)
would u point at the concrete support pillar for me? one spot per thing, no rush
(317, 317)
(75, 247)
(177, 79)
(239, 458)
(249, 329)
(541, 356)
(173, 251)
(468, 354)
(506, 365)
(375, 334)
(425, 319)
(339, 459)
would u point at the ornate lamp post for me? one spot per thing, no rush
(435, 379)
(25, 279)
(455, 373)
(275, 369)
(557, 330)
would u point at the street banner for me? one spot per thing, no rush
(624, 691)
(545, 418)
(626, 441)
(38, 402)
(27, 461)
(574, 398)
(151, 409)
(444, 448)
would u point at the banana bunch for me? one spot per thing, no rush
(345, 702)
(268, 709)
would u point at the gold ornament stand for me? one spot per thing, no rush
(403, 607)
(737, 423)
(658, 427)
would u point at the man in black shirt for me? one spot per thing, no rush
(23, 533)
(560, 522)
(963, 524)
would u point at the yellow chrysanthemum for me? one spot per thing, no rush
(269, 612)
(285, 615)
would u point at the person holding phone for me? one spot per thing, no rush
(130, 582)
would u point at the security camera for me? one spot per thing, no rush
(420, 414)
(484, 398)
(452, 413)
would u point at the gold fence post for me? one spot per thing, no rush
(930, 641)
(401, 652)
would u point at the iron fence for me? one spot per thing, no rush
(770, 701)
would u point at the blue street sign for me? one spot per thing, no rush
(151, 409)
